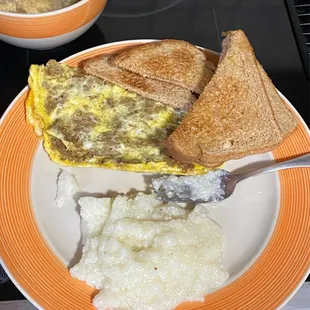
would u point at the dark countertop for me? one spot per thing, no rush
(198, 21)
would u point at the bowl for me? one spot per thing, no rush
(51, 29)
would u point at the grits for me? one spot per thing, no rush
(142, 254)
(67, 189)
(205, 187)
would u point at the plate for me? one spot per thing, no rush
(266, 222)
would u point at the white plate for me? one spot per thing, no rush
(266, 227)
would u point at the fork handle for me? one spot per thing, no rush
(301, 161)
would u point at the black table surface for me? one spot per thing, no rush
(200, 22)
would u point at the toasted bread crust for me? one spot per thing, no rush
(286, 120)
(212, 162)
(173, 61)
(169, 94)
(234, 116)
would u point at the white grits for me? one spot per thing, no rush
(67, 188)
(145, 255)
(206, 187)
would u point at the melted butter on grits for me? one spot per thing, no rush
(85, 121)
(142, 254)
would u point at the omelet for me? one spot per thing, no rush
(87, 122)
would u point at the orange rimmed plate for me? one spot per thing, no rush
(266, 222)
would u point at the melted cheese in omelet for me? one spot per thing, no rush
(85, 121)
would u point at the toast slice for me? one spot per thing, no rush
(284, 117)
(239, 112)
(172, 61)
(170, 94)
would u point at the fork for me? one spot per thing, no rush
(225, 183)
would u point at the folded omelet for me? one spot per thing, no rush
(87, 122)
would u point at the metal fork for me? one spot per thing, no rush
(228, 182)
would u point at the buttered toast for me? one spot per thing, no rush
(239, 112)
(170, 94)
(173, 61)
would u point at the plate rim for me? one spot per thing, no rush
(133, 42)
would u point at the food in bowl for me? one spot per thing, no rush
(143, 254)
(49, 29)
(34, 6)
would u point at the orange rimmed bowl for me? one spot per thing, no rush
(50, 29)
